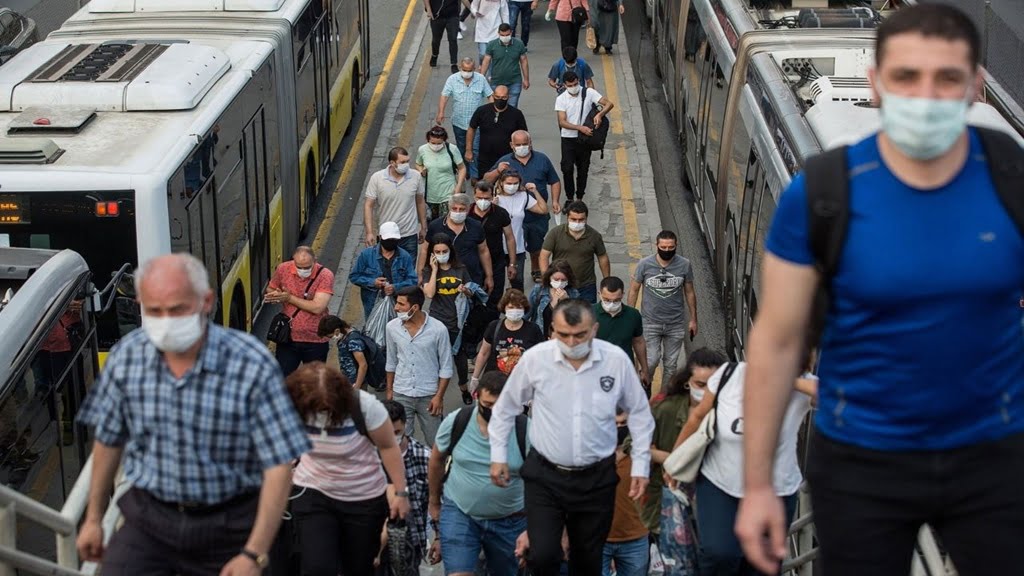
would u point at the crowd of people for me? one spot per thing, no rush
(559, 459)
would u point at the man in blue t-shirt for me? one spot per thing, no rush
(921, 399)
(569, 63)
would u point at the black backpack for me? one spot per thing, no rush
(828, 201)
(599, 135)
(459, 428)
(376, 359)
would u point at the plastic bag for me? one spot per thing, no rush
(657, 565)
(382, 313)
(677, 542)
(591, 37)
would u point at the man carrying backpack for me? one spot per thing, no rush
(917, 236)
(472, 511)
(359, 356)
(569, 62)
(572, 108)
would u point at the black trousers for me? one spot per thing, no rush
(568, 33)
(499, 266)
(582, 502)
(869, 505)
(289, 356)
(575, 160)
(439, 26)
(337, 537)
(460, 358)
(158, 539)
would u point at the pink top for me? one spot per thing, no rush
(563, 8)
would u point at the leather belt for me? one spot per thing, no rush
(572, 469)
(200, 508)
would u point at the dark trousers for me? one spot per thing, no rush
(569, 33)
(289, 356)
(520, 12)
(460, 358)
(583, 502)
(499, 265)
(869, 505)
(158, 539)
(336, 536)
(517, 282)
(439, 26)
(575, 159)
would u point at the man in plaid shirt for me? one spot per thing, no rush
(415, 456)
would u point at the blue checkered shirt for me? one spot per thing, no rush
(466, 99)
(206, 437)
(416, 460)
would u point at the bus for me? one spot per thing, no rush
(144, 127)
(755, 88)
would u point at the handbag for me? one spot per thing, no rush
(280, 331)
(579, 15)
(684, 462)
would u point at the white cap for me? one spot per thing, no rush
(389, 230)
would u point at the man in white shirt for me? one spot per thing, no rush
(399, 194)
(576, 384)
(572, 107)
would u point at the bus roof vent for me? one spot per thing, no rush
(56, 119)
(28, 151)
(841, 89)
(108, 6)
(107, 62)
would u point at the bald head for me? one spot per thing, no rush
(501, 92)
(173, 285)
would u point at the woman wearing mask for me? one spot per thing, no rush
(517, 203)
(506, 339)
(339, 504)
(558, 283)
(568, 30)
(442, 168)
(720, 481)
(443, 280)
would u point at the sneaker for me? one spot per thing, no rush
(433, 61)
(462, 28)
(467, 397)
(460, 33)
(455, 68)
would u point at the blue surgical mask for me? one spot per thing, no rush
(923, 128)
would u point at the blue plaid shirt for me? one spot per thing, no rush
(206, 437)
(465, 98)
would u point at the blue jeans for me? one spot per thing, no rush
(588, 293)
(460, 142)
(462, 536)
(631, 558)
(410, 244)
(720, 553)
(514, 90)
(481, 47)
(522, 11)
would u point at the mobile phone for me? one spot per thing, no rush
(692, 335)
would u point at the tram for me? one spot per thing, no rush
(755, 88)
(143, 127)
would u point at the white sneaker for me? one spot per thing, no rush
(460, 36)
(462, 26)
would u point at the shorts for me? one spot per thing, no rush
(535, 231)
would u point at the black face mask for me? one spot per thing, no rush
(389, 244)
(666, 254)
(500, 103)
(623, 432)
(484, 412)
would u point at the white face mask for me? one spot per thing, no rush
(514, 314)
(577, 226)
(576, 352)
(483, 205)
(510, 188)
(436, 147)
(173, 333)
(696, 394)
(304, 272)
(923, 128)
(458, 217)
(559, 284)
(505, 39)
(574, 90)
(404, 316)
(466, 75)
(402, 168)
(398, 439)
(611, 307)
(522, 151)
(443, 258)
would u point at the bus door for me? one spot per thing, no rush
(254, 151)
(364, 34)
(320, 43)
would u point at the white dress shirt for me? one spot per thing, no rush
(573, 412)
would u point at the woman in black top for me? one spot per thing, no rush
(444, 280)
(506, 340)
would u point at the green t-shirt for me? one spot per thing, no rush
(504, 68)
(580, 253)
(669, 417)
(440, 176)
(619, 330)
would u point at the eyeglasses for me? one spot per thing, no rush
(438, 133)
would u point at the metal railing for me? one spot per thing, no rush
(63, 523)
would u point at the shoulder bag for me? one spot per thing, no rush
(280, 331)
(684, 462)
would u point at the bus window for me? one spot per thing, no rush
(742, 152)
(715, 95)
(231, 215)
(766, 213)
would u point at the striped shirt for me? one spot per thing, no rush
(466, 98)
(346, 466)
(205, 437)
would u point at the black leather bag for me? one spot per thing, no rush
(598, 135)
(579, 15)
(280, 331)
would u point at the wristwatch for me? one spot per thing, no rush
(261, 560)
(402, 493)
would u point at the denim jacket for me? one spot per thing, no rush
(540, 299)
(371, 265)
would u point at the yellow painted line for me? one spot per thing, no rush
(629, 216)
(412, 115)
(359, 143)
(352, 312)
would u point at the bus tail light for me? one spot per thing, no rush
(108, 209)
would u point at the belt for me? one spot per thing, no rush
(200, 508)
(573, 469)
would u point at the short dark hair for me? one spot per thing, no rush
(414, 294)
(578, 207)
(396, 412)
(569, 54)
(666, 235)
(395, 152)
(505, 27)
(493, 382)
(330, 324)
(437, 132)
(702, 358)
(569, 76)
(612, 284)
(930, 20)
(484, 186)
(574, 310)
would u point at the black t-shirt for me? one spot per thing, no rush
(510, 345)
(494, 228)
(442, 305)
(466, 242)
(495, 129)
(445, 8)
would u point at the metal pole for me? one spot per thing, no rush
(8, 534)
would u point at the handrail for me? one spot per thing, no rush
(40, 513)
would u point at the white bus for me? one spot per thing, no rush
(143, 127)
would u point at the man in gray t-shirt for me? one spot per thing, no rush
(667, 280)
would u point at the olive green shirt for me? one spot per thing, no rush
(504, 68)
(579, 253)
(669, 416)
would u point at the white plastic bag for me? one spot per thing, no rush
(382, 313)
(657, 565)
